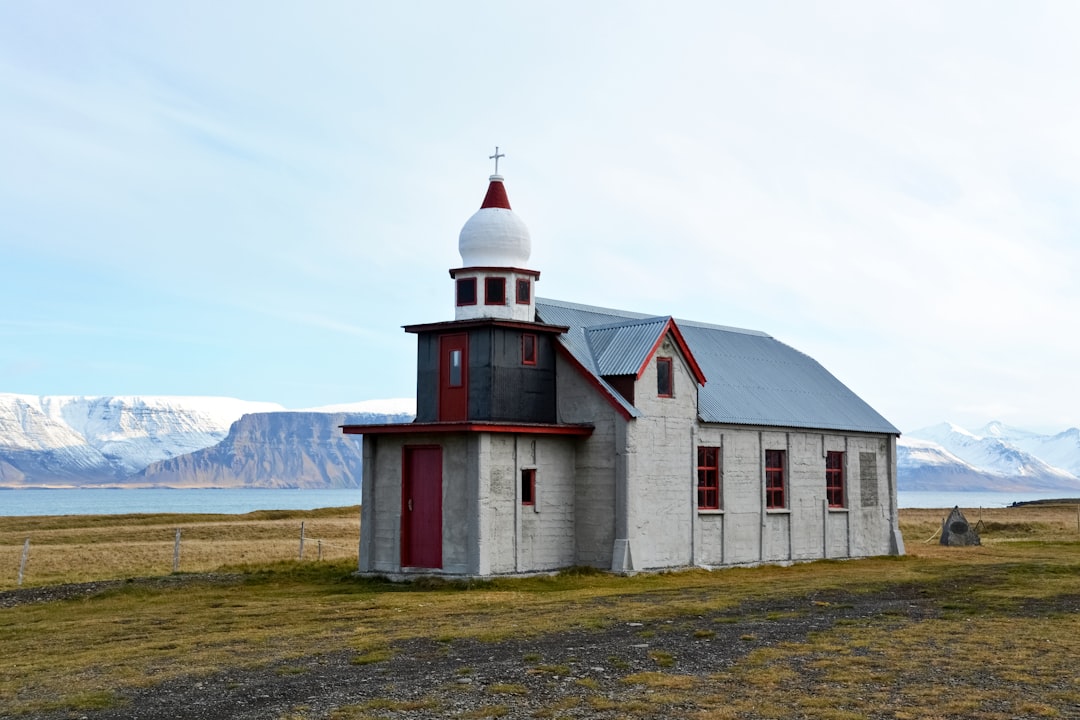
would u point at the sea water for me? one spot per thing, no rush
(101, 501)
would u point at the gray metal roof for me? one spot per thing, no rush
(622, 348)
(751, 378)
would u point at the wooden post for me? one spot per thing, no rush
(320, 551)
(301, 539)
(176, 553)
(25, 557)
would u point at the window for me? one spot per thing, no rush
(528, 486)
(524, 291)
(466, 291)
(494, 291)
(455, 368)
(528, 349)
(665, 381)
(774, 479)
(834, 479)
(708, 478)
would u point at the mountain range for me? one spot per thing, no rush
(996, 457)
(157, 441)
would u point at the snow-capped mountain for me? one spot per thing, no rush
(996, 457)
(281, 450)
(85, 441)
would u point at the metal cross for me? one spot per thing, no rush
(496, 157)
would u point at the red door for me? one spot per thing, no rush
(453, 377)
(421, 507)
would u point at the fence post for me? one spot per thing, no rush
(320, 551)
(301, 539)
(25, 557)
(176, 553)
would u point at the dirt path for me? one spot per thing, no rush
(525, 676)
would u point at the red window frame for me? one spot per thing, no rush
(494, 291)
(528, 349)
(528, 486)
(834, 479)
(665, 377)
(524, 291)
(466, 283)
(774, 479)
(708, 478)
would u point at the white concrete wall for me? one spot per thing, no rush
(596, 464)
(743, 531)
(380, 514)
(485, 529)
(516, 538)
(546, 529)
(662, 467)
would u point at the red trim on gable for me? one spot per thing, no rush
(496, 196)
(680, 342)
(592, 380)
(468, 426)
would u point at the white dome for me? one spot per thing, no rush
(494, 237)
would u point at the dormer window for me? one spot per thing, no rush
(665, 378)
(524, 291)
(466, 291)
(494, 291)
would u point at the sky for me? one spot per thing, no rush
(249, 199)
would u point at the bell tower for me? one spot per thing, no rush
(493, 282)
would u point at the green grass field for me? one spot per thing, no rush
(1008, 608)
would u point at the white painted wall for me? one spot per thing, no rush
(662, 467)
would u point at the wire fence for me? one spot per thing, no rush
(46, 558)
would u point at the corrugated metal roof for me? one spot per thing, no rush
(622, 348)
(753, 379)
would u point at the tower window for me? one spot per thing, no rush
(524, 291)
(456, 370)
(665, 380)
(528, 349)
(466, 291)
(494, 291)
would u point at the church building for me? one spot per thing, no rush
(550, 434)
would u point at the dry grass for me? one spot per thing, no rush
(85, 548)
(73, 654)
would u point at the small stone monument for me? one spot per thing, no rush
(957, 531)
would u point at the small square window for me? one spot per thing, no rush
(528, 486)
(494, 291)
(466, 291)
(834, 479)
(524, 291)
(665, 380)
(774, 479)
(528, 349)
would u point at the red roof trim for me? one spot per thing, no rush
(486, 268)
(680, 342)
(496, 196)
(594, 381)
(467, 426)
(485, 322)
